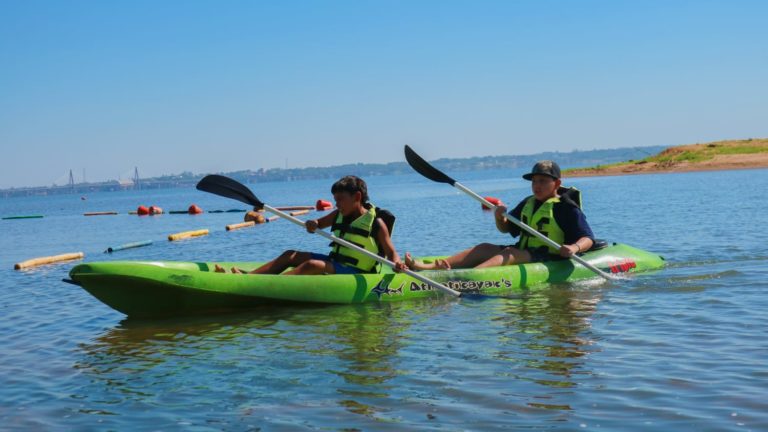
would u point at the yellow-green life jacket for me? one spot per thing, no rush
(358, 232)
(543, 221)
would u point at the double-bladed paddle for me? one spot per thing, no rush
(229, 188)
(424, 168)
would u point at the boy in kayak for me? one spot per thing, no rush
(355, 220)
(552, 210)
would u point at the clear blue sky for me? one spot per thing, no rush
(209, 86)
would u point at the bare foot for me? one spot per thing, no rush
(442, 264)
(219, 269)
(414, 264)
(409, 261)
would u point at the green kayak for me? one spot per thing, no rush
(162, 288)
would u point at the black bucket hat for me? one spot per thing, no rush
(545, 167)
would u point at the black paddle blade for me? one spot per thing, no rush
(424, 168)
(229, 188)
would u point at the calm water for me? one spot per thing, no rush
(681, 349)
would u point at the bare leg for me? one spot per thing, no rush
(289, 258)
(510, 255)
(468, 258)
(312, 267)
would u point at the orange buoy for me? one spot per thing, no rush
(142, 211)
(322, 205)
(492, 200)
(253, 216)
(155, 210)
(195, 209)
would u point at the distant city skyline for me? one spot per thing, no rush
(100, 88)
(566, 160)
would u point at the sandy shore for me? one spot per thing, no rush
(717, 163)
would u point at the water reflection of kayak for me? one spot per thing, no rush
(157, 288)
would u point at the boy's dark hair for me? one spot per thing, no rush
(351, 184)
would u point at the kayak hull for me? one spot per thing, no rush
(163, 288)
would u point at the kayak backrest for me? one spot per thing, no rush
(570, 195)
(389, 221)
(387, 217)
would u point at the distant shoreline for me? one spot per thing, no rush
(716, 156)
(671, 171)
(478, 163)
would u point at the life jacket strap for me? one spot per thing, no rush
(346, 228)
(343, 259)
(337, 246)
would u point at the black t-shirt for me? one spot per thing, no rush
(567, 215)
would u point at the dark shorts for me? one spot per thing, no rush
(337, 267)
(537, 255)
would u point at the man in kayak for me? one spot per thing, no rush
(552, 210)
(355, 220)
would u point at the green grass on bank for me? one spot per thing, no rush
(693, 153)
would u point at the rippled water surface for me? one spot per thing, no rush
(680, 349)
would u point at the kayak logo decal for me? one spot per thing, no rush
(465, 286)
(382, 288)
(623, 266)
